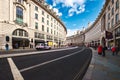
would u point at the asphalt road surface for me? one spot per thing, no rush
(67, 64)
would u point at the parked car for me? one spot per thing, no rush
(42, 46)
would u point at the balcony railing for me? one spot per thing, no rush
(20, 22)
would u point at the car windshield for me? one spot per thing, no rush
(40, 44)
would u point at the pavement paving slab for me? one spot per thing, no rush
(103, 68)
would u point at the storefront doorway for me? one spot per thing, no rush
(19, 42)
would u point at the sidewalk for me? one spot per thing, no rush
(16, 51)
(103, 68)
(22, 50)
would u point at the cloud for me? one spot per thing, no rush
(76, 9)
(71, 32)
(57, 12)
(75, 6)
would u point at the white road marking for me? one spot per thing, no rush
(38, 65)
(14, 69)
(29, 53)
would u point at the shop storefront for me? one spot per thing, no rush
(19, 42)
(117, 37)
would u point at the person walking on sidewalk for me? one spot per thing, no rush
(103, 51)
(113, 50)
(99, 49)
(7, 47)
(117, 50)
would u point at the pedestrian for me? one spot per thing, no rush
(7, 47)
(23, 45)
(117, 50)
(113, 50)
(103, 51)
(99, 49)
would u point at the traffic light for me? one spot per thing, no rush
(7, 38)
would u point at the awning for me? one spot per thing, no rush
(109, 35)
(19, 39)
(39, 41)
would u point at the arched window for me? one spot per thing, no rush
(19, 15)
(20, 32)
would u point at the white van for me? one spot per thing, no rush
(40, 46)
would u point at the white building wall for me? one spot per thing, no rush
(94, 33)
(8, 13)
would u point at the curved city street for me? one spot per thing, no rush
(59, 64)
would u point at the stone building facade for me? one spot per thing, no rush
(28, 22)
(76, 40)
(108, 21)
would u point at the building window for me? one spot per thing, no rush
(36, 8)
(54, 21)
(20, 32)
(39, 35)
(42, 36)
(51, 31)
(51, 19)
(36, 25)
(112, 1)
(54, 33)
(117, 32)
(47, 22)
(47, 29)
(36, 16)
(19, 15)
(15, 32)
(112, 22)
(117, 4)
(108, 7)
(51, 24)
(112, 11)
(42, 27)
(108, 16)
(48, 16)
(108, 26)
(54, 27)
(36, 35)
(26, 34)
(116, 18)
(43, 19)
(42, 12)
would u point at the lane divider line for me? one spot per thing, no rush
(38, 65)
(16, 74)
